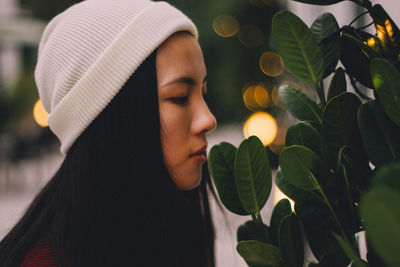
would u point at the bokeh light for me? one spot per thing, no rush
(225, 25)
(262, 125)
(276, 99)
(250, 35)
(279, 142)
(261, 96)
(271, 64)
(40, 115)
(256, 96)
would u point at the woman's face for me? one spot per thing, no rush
(184, 115)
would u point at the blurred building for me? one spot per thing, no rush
(17, 29)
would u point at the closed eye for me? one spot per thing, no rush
(179, 100)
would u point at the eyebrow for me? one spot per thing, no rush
(185, 79)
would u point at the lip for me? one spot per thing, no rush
(200, 154)
(199, 157)
(201, 150)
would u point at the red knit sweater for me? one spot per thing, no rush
(41, 255)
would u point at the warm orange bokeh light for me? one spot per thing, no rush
(256, 97)
(261, 96)
(225, 25)
(40, 115)
(262, 125)
(271, 64)
(279, 142)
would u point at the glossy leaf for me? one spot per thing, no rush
(297, 46)
(381, 213)
(387, 30)
(221, 162)
(256, 252)
(318, 224)
(326, 30)
(281, 210)
(339, 118)
(290, 241)
(388, 175)
(299, 105)
(386, 79)
(251, 230)
(302, 167)
(302, 133)
(252, 175)
(354, 59)
(379, 134)
(338, 84)
(349, 250)
(294, 193)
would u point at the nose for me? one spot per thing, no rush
(204, 121)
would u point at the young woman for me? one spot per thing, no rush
(123, 82)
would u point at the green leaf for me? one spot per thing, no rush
(221, 162)
(291, 242)
(354, 57)
(295, 193)
(318, 224)
(386, 79)
(326, 30)
(368, 51)
(252, 175)
(297, 46)
(302, 133)
(302, 167)
(381, 213)
(320, 2)
(338, 84)
(388, 175)
(281, 210)
(251, 230)
(299, 105)
(339, 118)
(256, 252)
(379, 134)
(349, 250)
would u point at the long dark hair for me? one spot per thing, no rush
(112, 201)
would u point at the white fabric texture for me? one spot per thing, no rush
(90, 50)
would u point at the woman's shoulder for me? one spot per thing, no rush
(40, 255)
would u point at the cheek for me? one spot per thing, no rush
(173, 136)
(175, 133)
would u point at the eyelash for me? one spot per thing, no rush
(182, 100)
(179, 100)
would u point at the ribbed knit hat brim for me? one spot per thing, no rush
(88, 52)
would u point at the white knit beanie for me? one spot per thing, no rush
(90, 50)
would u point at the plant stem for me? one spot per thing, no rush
(257, 218)
(321, 191)
(341, 167)
(333, 213)
(319, 86)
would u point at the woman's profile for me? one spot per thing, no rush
(123, 82)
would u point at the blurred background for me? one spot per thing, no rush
(244, 73)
